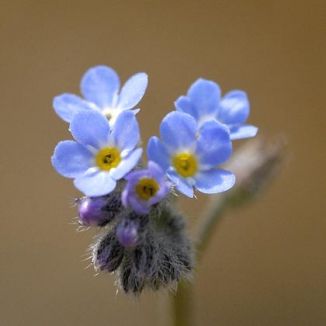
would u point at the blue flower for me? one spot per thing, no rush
(100, 88)
(100, 155)
(203, 102)
(190, 160)
(145, 188)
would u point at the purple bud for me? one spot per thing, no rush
(127, 233)
(92, 211)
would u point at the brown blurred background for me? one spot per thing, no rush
(266, 264)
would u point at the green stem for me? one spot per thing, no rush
(182, 300)
(182, 304)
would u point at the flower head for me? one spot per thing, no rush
(204, 103)
(143, 239)
(145, 188)
(190, 159)
(100, 155)
(100, 88)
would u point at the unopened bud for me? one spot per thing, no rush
(91, 211)
(127, 233)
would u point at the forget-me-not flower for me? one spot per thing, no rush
(191, 159)
(100, 87)
(203, 102)
(145, 188)
(100, 155)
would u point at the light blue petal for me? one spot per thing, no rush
(183, 104)
(127, 164)
(95, 183)
(90, 128)
(178, 131)
(135, 111)
(155, 170)
(133, 91)
(234, 108)
(158, 153)
(246, 131)
(213, 145)
(67, 106)
(125, 133)
(71, 159)
(205, 97)
(180, 183)
(214, 181)
(100, 85)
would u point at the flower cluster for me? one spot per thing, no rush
(144, 238)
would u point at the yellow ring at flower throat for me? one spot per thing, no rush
(107, 158)
(185, 164)
(146, 188)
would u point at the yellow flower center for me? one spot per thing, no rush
(146, 188)
(107, 158)
(185, 164)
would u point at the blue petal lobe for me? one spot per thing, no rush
(178, 131)
(234, 108)
(183, 104)
(214, 181)
(213, 145)
(180, 183)
(126, 165)
(67, 106)
(155, 170)
(90, 128)
(95, 183)
(133, 91)
(205, 96)
(246, 131)
(71, 159)
(125, 133)
(139, 206)
(100, 85)
(158, 153)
